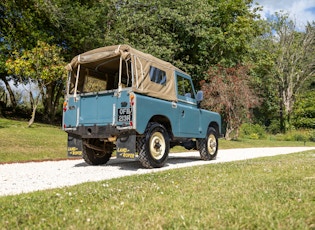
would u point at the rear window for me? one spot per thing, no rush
(93, 84)
(158, 76)
(99, 77)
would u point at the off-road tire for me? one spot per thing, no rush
(95, 157)
(153, 147)
(208, 147)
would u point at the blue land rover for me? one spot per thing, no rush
(120, 99)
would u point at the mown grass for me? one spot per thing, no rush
(266, 193)
(40, 141)
(43, 142)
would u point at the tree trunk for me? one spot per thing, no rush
(228, 134)
(51, 99)
(11, 94)
(34, 104)
(31, 121)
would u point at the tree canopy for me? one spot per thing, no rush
(293, 62)
(194, 35)
(44, 66)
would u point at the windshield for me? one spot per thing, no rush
(100, 76)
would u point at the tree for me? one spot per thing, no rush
(304, 108)
(192, 34)
(293, 64)
(74, 25)
(43, 66)
(229, 92)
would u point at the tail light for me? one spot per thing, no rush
(132, 103)
(132, 97)
(65, 106)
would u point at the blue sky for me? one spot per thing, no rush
(300, 10)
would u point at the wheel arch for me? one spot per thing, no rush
(163, 120)
(216, 126)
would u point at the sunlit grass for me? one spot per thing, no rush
(20, 143)
(267, 193)
(41, 142)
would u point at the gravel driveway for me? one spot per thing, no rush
(27, 177)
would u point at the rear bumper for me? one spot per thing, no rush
(97, 131)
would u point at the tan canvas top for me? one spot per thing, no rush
(141, 63)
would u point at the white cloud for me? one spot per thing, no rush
(300, 10)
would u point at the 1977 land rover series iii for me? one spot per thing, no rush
(119, 98)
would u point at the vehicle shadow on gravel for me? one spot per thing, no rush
(135, 165)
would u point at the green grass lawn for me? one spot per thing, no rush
(266, 193)
(42, 142)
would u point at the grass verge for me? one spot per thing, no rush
(42, 142)
(45, 142)
(266, 193)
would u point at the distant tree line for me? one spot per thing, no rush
(252, 70)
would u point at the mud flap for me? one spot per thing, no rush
(126, 147)
(74, 146)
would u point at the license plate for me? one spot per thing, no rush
(124, 115)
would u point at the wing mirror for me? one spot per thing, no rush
(199, 98)
(199, 95)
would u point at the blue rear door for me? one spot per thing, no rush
(101, 109)
(70, 113)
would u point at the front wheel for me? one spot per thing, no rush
(154, 147)
(208, 147)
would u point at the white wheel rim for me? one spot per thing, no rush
(157, 145)
(212, 144)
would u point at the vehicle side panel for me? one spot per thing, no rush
(193, 124)
(147, 107)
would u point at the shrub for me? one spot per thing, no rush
(274, 127)
(297, 135)
(252, 131)
(312, 136)
(304, 110)
(300, 137)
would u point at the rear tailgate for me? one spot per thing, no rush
(98, 109)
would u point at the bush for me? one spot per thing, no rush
(297, 135)
(274, 127)
(304, 110)
(312, 136)
(252, 131)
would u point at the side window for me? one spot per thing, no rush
(184, 87)
(157, 75)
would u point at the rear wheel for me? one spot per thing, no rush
(208, 147)
(154, 147)
(96, 152)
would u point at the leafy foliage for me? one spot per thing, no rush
(228, 91)
(304, 112)
(44, 66)
(293, 62)
(193, 35)
(252, 131)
